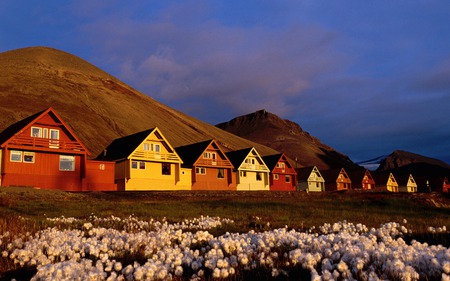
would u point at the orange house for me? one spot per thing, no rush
(210, 167)
(283, 176)
(446, 185)
(361, 179)
(336, 179)
(42, 151)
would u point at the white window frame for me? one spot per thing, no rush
(38, 131)
(275, 177)
(28, 153)
(66, 159)
(54, 142)
(288, 178)
(15, 152)
(146, 146)
(220, 173)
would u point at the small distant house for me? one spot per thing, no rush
(446, 185)
(209, 166)
(336, 180)
(406, 183)
(42, 151)
(250, 170)
(146, 161)
(310, 179)
(386, 182)
(361, 179)
(282, 176)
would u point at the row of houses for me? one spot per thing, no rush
(42, 151)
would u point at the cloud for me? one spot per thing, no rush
(174, 58)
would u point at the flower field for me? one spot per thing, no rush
(54, 235)
(113, 248)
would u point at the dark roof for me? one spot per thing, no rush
(303, 173)
(122, 147)
(331, 175)
(238, 156)
(272, 160)
(16, 127)
(357, 175)
(190, 153)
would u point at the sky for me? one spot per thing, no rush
(365, 77)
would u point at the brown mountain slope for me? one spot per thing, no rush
(97, 106)
(283, 135)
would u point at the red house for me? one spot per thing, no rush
(446, 185)
(42, 151)
(361, 179)
(210, 167)
(283, 176)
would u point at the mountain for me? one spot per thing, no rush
(400, 158)
(96, 105)
(429, 173)
(283, 135)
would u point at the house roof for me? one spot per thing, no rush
(331, 175)
(122, 147)
(357, 175)
(238, 156)
(402, 179)
(190, 153)
(304, 173)
(17, 127)
(272, 160)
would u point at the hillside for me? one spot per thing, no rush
(97, 106)
(283, 135)
(400, 158)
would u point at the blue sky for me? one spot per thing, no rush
(365, 77)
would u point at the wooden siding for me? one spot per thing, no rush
(249, 182)
(100, 176)
(210, 181)
(43, 173)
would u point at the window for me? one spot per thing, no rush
(244, 174)
(66, 163)
(288, 178)
(36, 132)
(28, 157)
(200, 170)
(280, 165)
(250, 161)
(258, 177)
(220, 173)
(156, 147)
(275, 176)
(138, 165)
(16, 156)
(166, 168)
(54, 136)
(146, 146)
(209, 155)
(101, 167)
(45, 133)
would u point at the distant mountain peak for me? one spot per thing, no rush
(401, 158)
(286, 136)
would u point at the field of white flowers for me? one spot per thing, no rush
(130, 248)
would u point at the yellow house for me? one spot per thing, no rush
(386, 182)
(251, 171)
(407, 183)
(146, 161)
(310, 179)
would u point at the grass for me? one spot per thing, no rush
(250, 210)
